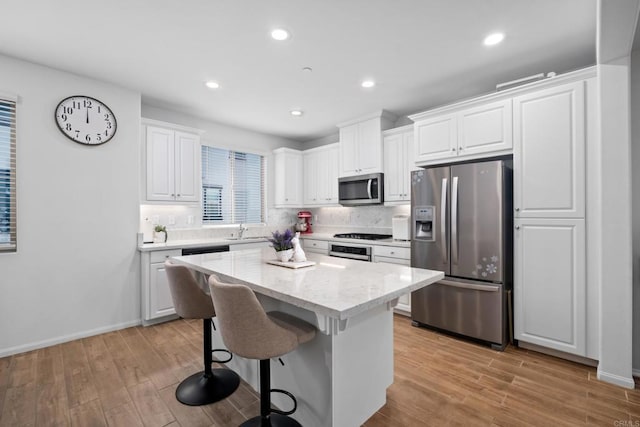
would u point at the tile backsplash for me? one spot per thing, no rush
(185, 222)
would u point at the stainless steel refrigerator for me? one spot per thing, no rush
(462, 223)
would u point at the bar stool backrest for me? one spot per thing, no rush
(189, 300)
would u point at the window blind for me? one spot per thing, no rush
(7, 175)
(232, 187)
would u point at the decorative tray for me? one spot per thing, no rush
(290, 264)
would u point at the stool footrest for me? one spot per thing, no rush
(291, 396)
(224, 350)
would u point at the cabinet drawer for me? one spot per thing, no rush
(160, 256)
(393, 252)
(316, 244)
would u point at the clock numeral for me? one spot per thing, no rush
(106, 117)
(109, 125)
(68, 127)
(67, 110)
(99, 109)
(106, 133)
(98, 137)
(77, 134)
(88, 138)
(63, 117)
(76, 106)
(87, 103)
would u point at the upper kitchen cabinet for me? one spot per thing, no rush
(463, 131)
(321, 175)
(361, 144)
(398, 164)
(549, 153)
(172, 162)
(288, 177)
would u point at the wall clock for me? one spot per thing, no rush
(85, 120)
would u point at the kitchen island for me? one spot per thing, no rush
(339, 378)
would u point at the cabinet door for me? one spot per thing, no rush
(160, 164)
(349, 150)
(333, 162)
(294, 179)
(550, 283)
(187, 167)
(436, 138)
(322, 176)
(160, 302)
(311, 173)
(404, 301)
(486, 128)
(394, 168)
(549, 153)
(369, 145)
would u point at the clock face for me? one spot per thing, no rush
(85, 120)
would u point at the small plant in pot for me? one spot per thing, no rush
(160, 234)
(281, 243)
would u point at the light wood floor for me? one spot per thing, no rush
(128, 378)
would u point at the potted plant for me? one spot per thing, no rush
(160, 234)
(281, 243)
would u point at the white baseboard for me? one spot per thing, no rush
(616, 379)
(65, 338)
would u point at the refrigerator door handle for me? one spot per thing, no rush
(443, 220)
(472, 286)
(369, 187)
(454, 221)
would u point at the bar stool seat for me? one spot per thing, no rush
(192, 302)
(248, 331)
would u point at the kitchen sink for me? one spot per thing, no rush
(247, 239)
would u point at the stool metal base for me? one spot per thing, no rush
(200, 389)
(273, 420)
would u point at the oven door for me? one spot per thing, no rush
(360, 190)
(362, 253)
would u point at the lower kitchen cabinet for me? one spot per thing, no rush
(395, 255)
(316, 246)
(550, 283)
(156, 297)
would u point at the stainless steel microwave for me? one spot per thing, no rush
(361, 190)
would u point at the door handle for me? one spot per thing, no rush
(369, 182)
(443, 219)
(454, 221)
(472, 286)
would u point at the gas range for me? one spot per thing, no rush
(362, 236)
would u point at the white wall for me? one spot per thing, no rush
(635, 185)
(76, 271)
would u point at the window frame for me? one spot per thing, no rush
(12, 245)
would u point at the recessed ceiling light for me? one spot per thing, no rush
(280, 34)
(212, 85)
(494, 38)
(368, 83)
(296, 113)
(307, 69)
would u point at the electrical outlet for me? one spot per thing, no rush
(190, 220)
(315, 218)
(172, 220)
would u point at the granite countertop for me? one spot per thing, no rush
(383, 242)
(334, 287)
(195, 243)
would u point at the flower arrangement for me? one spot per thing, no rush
(281, 241)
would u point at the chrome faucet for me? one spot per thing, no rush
(241, 231)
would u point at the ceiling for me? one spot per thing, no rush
(421, 53)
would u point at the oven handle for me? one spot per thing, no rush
(350, 256)
(369, 182)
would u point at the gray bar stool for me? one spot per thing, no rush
(192, 302)
(248, 331)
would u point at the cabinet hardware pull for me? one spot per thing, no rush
(517, 227)
(453, 149)
(517, 209)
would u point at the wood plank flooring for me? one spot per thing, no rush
(128, 378)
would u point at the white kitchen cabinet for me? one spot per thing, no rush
(288, 177)
(549, 154)
(156, 297)
(172, 165)
(361, 144)
(464, 132)
(550, 283)
(315, 246)
(321, 175)
(395, 255)
(398, 164)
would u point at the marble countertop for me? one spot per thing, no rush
(195, 243)
(334, 287)
(383, 242)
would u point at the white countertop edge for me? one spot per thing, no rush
(386, 242)
(195, 243)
